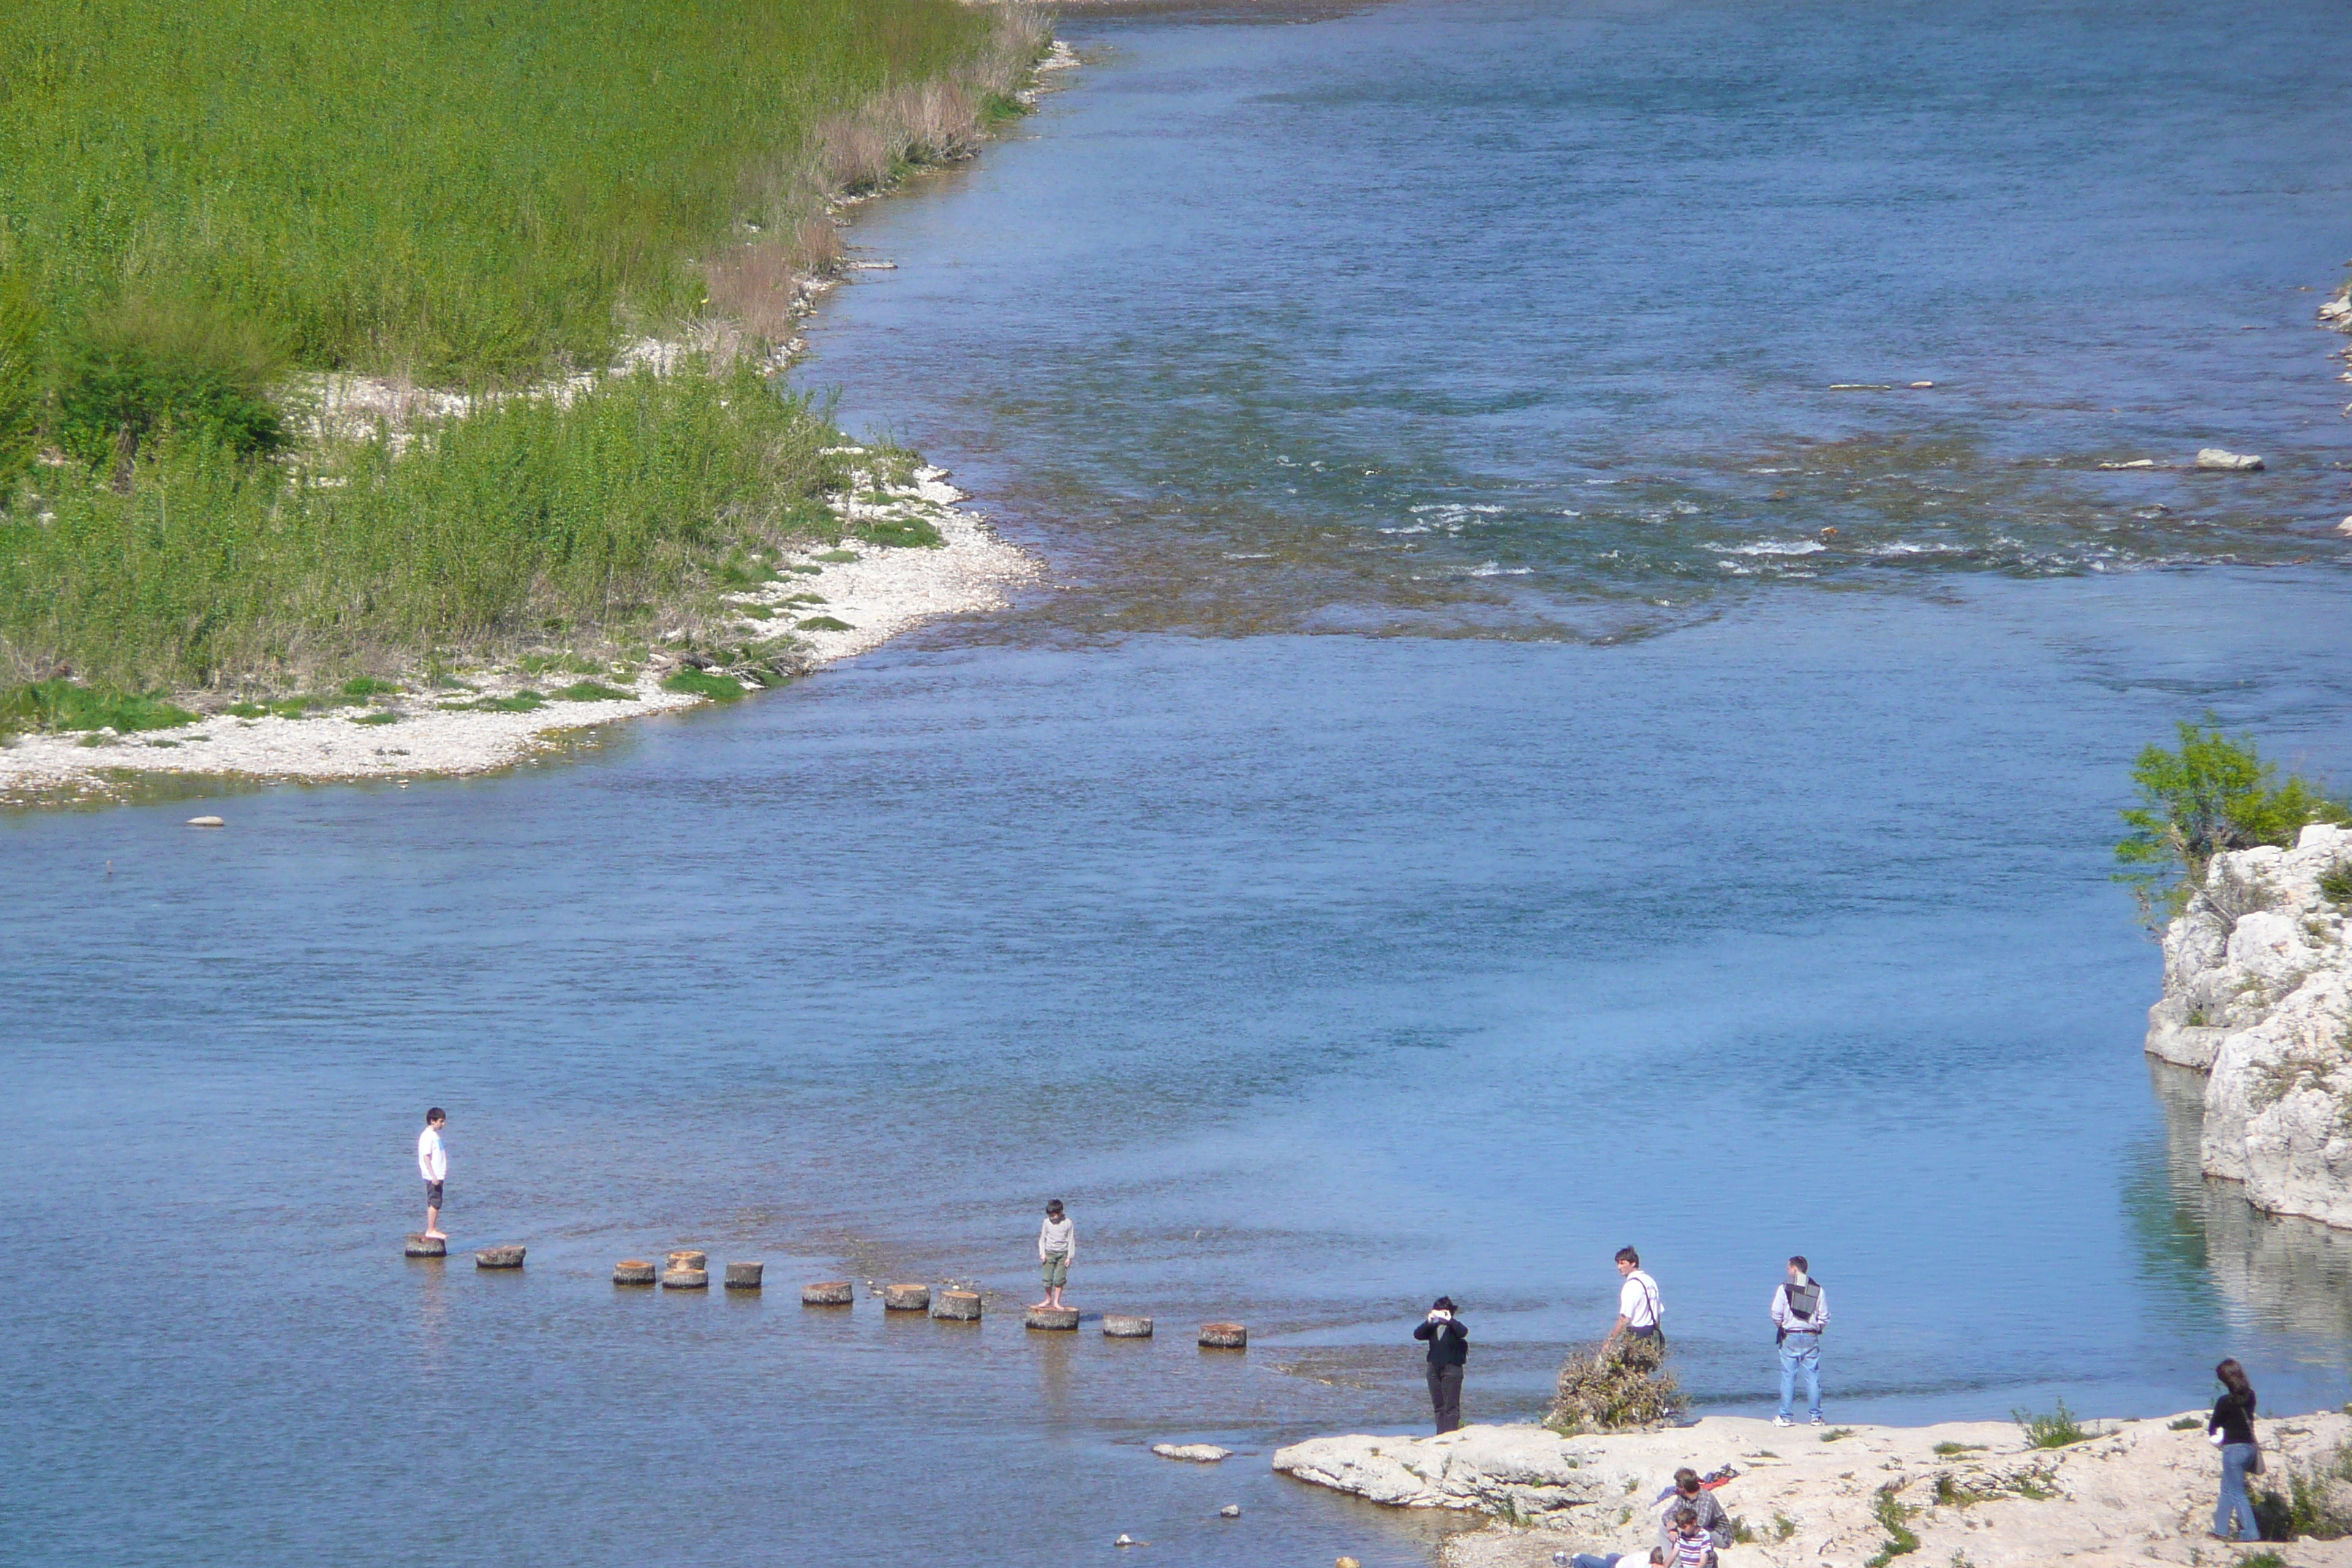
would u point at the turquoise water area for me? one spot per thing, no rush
(1329, 924)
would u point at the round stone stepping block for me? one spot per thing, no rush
(423, 1246)
(1196, 1453)
(633, 1271)
(906, 1298)
(206, 822)
(957, 1306)
(499, 1257)
(744, 1275)
(1120, 1326)
(1060, 1318)
(690, 1260)
(685, 1279)
(1224, 1337)
(829, 1293)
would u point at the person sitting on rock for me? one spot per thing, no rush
(1694, 1547)
(1611, 1559)
(1688, 1496)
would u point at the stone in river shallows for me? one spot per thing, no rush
(1224, 1336)
(206, 822)
(906, 1298)
(2217, 460)
(499, 1257)
(633, 1271)
(423, 1246)
(685, 1279)
(1199, 1453)
(1122, 1326)
(957, 1306)
(1231, 1511)
(829, 1293)
(690, 1260)
(744, 1275)
(1052, 1317)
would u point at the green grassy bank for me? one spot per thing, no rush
(204, 208)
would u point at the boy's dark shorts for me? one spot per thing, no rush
(433, 1195)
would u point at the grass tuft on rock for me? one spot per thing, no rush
(1626, 1390)
(703, 683)
(2056, 1429)
(64, 704)
(594, 691)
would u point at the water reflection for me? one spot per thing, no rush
(2201, 1237)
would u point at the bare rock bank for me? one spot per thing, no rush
(2258, 996)
(1968, 1491)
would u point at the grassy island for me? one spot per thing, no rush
(337, 340)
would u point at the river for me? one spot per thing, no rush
(1450, 812)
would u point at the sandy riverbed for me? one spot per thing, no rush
(878, 595)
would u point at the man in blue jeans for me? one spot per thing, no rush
(1800, 1310)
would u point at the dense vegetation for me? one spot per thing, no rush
(204, 208)
(2214, 794)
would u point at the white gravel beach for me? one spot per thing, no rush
(874, 592)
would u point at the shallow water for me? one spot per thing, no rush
(1320, 974)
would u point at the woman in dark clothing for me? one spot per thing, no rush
(2234, 1420)
(1449, 1347)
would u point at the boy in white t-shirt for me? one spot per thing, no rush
(433, 1163)
(1639, 1311)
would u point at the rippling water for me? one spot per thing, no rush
(1697, 882)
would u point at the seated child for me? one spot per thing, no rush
(1693, 1548)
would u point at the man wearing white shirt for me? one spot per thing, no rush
(1639, 1313)
(433, 1163)
(1800, 1310)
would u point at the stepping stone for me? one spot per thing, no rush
(1198, 1453)
(1224, 1337)
(685, 1279)
(633, 1271)
(499, 1257)
(1058, 1318)
(906, 1298)
(1120, 1326)
(957, 1306)
(690, 1260)
(829, 1293)
(421, 1246)
(744, 1275)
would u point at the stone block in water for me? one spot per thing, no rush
(1059, 1318)
(1224, 1336)
(685, 1279)
(423, 1246)
(690, 1260)
(744, 1275)
(828, 1293)
(957, 1306)
(633, 1271)
(499, 1257)
(906, 1298)
(1120, 1326)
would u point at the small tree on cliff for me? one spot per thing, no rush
(2212, 795)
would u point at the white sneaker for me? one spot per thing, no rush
(1817, 1419)
(1782, 1421)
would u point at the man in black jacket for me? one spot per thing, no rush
(1449, 1347)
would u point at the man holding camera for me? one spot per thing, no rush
(1449, 1347)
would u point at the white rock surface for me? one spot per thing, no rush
(2217, 460)
(2137, 1495)
(2258, 995)
(1199, 1453)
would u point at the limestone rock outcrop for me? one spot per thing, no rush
(2258, 996)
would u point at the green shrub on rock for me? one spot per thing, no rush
(1627, 1388)
(2214, 796)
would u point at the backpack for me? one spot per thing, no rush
(1804, 1300)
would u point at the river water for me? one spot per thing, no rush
(1451, 813)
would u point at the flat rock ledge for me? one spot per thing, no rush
(2137, 1494)
(1197, 1453)
(2258, 996)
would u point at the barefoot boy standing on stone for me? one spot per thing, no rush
(435, 1166)
(1058, 1245)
